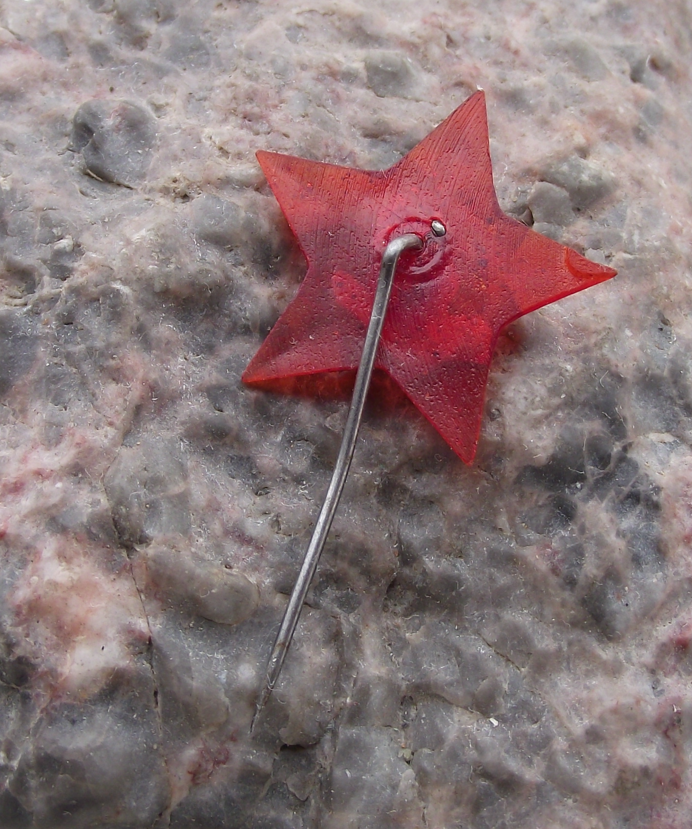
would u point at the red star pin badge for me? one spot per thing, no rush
(449, 301)
(452, 266)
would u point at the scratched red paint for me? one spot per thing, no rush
(449, 302)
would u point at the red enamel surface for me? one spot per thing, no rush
(449, 302)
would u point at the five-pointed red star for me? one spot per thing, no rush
(449, 301)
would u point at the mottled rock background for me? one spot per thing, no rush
(506, 645)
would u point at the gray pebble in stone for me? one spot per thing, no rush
(585, 182)
(651, 116)
(510, 638)
(218, 221)
(655, 407)
(20, 276)
(552, 516)
(389, 74)
(185, 663)
(16, 669)
(64, 255)
(662, 338)
(116, 140)
(550, 203)
(429, 721)
(596, 255)
(564, 467)
(548, 229)
(12, 814)
(367, 773)
(604, 603)
(212, 592)
(147, 488)
(96, 763)
(17, 347)
(187, 49)
(598, 451)
(374, 700)
(232, 804)
(582, 55)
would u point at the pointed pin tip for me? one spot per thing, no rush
(261, 702)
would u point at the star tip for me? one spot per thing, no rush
(467, 457)
(253, 376)
(267, 161)
(607, 273)
(586, 269)
(465, 453)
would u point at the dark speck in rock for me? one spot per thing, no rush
(662, 332)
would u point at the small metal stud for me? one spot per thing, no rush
(438, 228)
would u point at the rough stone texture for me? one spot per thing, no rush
(507, 645)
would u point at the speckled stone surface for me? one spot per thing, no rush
(506, 645)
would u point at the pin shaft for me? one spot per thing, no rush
(390, 258)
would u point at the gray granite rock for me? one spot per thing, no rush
(502, 645)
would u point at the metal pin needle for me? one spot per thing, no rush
(390, 258)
